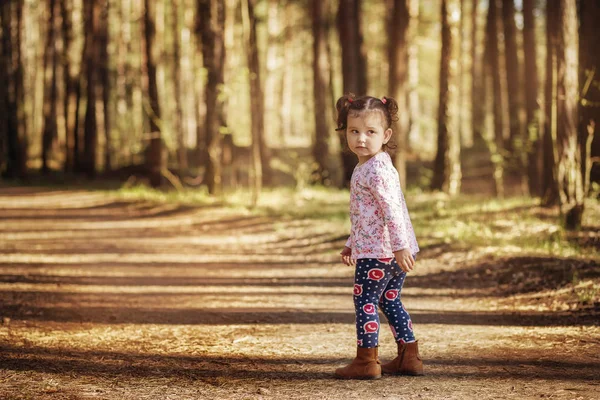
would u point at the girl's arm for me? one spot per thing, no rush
(382, 187)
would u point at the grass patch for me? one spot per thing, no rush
(517, 225)
(308, 203)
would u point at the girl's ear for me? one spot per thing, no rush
(387, 135)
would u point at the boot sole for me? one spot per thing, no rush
(403, 373)
(360, 378)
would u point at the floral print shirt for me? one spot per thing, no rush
(378, 212)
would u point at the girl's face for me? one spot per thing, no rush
(366, 134)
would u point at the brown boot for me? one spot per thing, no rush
(364, 366)
(408, 361)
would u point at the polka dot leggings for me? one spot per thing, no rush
(378, 284)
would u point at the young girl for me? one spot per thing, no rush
(382, 241)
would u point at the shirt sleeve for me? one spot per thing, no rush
(381, 185)
(349, 242)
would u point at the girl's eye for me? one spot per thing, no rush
(371, 132)
(354, 131)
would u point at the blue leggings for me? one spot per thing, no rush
(378, 284)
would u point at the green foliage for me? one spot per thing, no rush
(500, 227)
(588, 294)
(197, 197)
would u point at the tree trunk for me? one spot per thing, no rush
(78, 130)
(210, 27)
(477, 82)
(569, 176)
(23, 143)
(446, 169)
(90, 137)
(398, 24)
(414, 108)
(274, 71)
(287, 81)
(12, 138)
(337, 177)
(532, 142)
(123, 86)
(104, 81)
(461, 76)
(69, 83)
(4, 99)
(257, 100)
(513, 78)
(354, 67)
(259, 158)
(154, 152)
(494, 69)
(178, 117)
(549, 182)
(354, 61)
(589, 57)
(49, 132)
(320, 86)
(201, 158)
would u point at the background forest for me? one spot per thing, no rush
(174, 196)
(497, 97)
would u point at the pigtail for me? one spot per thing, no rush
(342, 106)
(392, 107)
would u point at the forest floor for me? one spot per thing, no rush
(105, 295)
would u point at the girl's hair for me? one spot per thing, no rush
(349, 103)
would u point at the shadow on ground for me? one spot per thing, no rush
(118, 364)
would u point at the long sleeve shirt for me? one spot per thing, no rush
(378, 212)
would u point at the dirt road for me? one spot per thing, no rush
(110, 299)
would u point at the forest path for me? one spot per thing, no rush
(111, 299)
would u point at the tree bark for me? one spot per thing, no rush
(513, 79)
(533, 125)
(259, 156)
(274, 71)
(178, 117)
(398, 24)
(549, 181)
(477, 82)
(414, 108)
(104, 81)
(569, 176)
(590, 88)
(12, 137)
(461, 76)
(123, 85)
(287, 81)
(201, 158)
(494, 70)
(210, 27)
(78, 130)
(49, 131)
(257, 101)
(23, 143)
(90, 139)
(446, 169)
(4, 100)
(154, 152)
(354, 68)
(70, 87)
(320, 86)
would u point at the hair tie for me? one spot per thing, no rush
(383, 100)
(349, 100)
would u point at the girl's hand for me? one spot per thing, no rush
(405, 260)
(347, 256)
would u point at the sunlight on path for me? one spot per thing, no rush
(128, 300)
